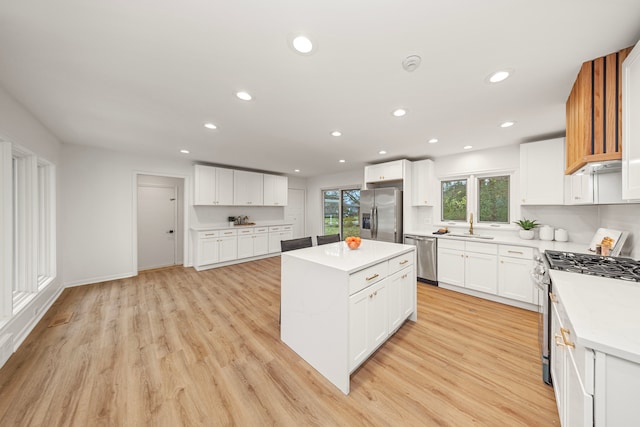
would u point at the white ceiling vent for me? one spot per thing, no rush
(411, 62)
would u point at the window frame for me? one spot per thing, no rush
(473, 195)
(340, 191)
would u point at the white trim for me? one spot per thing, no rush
(6, 221)
(99, 279)
(187, 201)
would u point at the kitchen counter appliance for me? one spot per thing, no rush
(426, 255)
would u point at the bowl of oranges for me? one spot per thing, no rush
(353, 242)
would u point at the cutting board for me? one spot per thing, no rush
(601, 234)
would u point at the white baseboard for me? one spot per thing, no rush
(92, 280)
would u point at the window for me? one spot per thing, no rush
(27, 218)
(488, 197)
(493, 199)
(341, 212)
(454, 200)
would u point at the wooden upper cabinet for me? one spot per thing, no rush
(594, 112)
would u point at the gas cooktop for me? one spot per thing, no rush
(595, 265)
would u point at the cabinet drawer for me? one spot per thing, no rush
(398, 263)
(516, 251)
(363, 278)
(451, 244)
(258, 230)
(227, 233)
(208, 234)
(244, 231)
(481, 248)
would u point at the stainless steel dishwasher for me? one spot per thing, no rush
(426, 254)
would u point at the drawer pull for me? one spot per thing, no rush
(552, 297)
(565, 338)
(209, 235)
(373, 277)
(516, 252)
(404, 261)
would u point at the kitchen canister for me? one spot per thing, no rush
(546, 232)
(562, 235)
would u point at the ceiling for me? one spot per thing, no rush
(144, 76)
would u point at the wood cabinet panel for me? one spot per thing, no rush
(594, 112)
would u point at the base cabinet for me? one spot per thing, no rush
(277, 234)
(468, 264)
(592, 388)
(368, 325)
(514, 269)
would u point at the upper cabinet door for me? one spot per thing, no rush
(390, 171)
(213, 186)
(631, 125)
(276, 190)
(542, 172)
(423, 181)
(248, 188)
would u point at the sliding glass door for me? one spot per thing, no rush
(341, 212)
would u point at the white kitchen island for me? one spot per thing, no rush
(339, 305)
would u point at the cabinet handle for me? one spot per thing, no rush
(404, 261)
(552, 297)
(565, 338)
(209, 235)
(516, 252)
(373, 277)
(557, 338)
(404, 276)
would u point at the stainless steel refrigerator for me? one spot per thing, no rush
(381, 214)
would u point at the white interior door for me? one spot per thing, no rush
(294, 212)
(157, 227)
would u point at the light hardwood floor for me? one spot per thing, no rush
(178, 347)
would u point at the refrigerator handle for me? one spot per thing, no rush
(374, 223)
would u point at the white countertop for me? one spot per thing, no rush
(542, 245)
(605, 313)
(225, 225)
(340, 257)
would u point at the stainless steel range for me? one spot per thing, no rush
(594, 265)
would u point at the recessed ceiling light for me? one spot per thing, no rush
(184, 151)
(336, 133)
(210, 126)
(296, 170)
(499, 76)
(399, 112)
(342, 160)
(382, 152)
(433, 140)
(468, 147)
(507, 124)
(302, 44)
(245, 96)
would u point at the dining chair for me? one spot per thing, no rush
(289, 245)
(329, 238)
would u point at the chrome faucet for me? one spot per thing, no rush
(471, 223)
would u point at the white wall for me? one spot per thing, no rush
(98, 209)
(19, 126)
(625, 218)
(315, 185)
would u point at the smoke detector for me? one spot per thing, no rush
(411, 62)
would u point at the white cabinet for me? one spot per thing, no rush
(390, 171)
(468, 264)
(400, 297)
(542, 172)
(276, 189)
(368, 325)
(247, 188)
(572, 371)
(514, 269)
(213, 186)
(277, 234)
(631, 125)
(579, 189)
(216, 246)
(253, 242)
(423, 181)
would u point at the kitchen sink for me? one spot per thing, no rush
(470, 236)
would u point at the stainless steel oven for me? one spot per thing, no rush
(540, 277)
